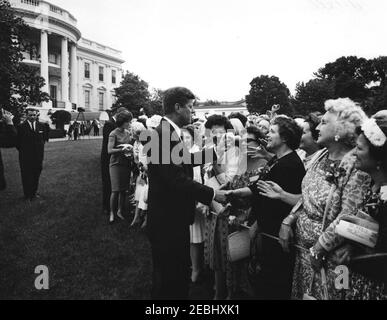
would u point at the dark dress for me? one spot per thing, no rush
(119, 167)
(369, 282)
(275, 278)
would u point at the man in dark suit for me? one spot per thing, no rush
(7, 140)
(172, 196)
(31, 137)
(108, 127)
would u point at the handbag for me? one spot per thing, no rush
(238, 245)
(254, 266)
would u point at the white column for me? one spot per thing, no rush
(65, 72)
(74, 74)
(108, 82)
(94, 106)
(44, 60)
(81, 99)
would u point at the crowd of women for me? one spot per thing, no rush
(289, 185)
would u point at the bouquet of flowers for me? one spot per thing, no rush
(334, 173)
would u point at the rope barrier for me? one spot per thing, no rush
(278, 239)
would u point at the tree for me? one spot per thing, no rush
(132, 93)
(378, 98)
(311, 96)
(266, 91)
(360, 79)
(350, 76)
(155, 103)
(20, 84)
(211, 103)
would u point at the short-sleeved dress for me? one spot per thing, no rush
(275, 278)
(119, 166)
(348, 193)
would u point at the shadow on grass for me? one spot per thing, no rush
(66, 231)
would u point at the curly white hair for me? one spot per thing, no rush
(349, 116)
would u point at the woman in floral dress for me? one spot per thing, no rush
(240, 209)
(333, 183)
(216, 229)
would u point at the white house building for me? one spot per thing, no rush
(224, 108)
(78, 72)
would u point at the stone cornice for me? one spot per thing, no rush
(99, 54)
(51, 20)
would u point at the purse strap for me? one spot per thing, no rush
(323, 283)
(327, 206)
(322, 271)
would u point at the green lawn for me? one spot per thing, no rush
(66, 231)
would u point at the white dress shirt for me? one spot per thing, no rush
(32, 125)
(174, 126)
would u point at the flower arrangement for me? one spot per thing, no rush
(334, 173)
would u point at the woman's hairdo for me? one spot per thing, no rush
(122, 117)
(288, 130)
(378, 153)
(218, 120)
(349, 116)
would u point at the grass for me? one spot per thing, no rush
(66, 231)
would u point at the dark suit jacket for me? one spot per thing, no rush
(108, 127)
(31, 144)
(172, 192)
(7, 140)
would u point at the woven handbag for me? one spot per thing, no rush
(238, 245)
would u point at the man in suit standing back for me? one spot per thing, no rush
(7, 140)
(108, 127)
(172, 196)
(31, 137)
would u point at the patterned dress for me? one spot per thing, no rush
(348, 190)
(362, 287)
(217, 231)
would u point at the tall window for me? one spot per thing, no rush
(101, 100)
(113, 76)
(100, 73)
(52, 58)
(53, 95)
(87, 70)
(87, 99)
